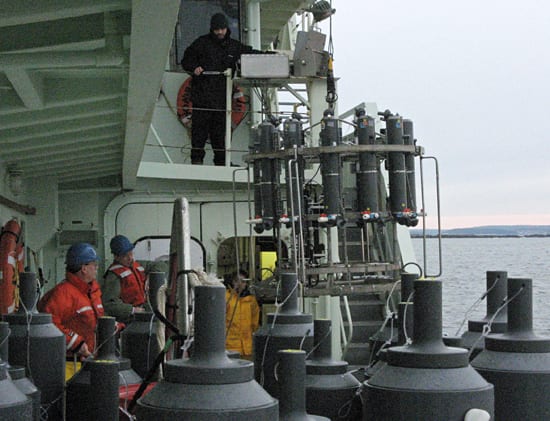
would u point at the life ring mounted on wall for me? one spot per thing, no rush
(239, 105)
(11, 264)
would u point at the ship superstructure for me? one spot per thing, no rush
(95, 142)
(94, 145)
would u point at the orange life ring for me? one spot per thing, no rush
(185, 105)
(11, 263)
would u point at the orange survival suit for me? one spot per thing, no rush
(242, 318)
(75, 307)
(132, 283)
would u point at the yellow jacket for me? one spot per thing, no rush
(242, 318)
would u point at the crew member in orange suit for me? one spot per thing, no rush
(123, 285)
(242, 316)
(75, 304)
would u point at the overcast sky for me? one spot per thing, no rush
(474, 76)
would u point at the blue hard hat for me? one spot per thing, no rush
(80, 254)
(120, 245)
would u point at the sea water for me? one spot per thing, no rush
(465, 262)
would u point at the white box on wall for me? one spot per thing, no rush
(261, 66)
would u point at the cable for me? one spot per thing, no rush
(304, 339)
(332, 96)
(171, 107)
(44, 409)
(90, 358)
(98, 347)
(389, 316)
(388, 341)
(126, 413)
(408, 340)
(159, 358)
(5, 339)
(277, 113)
(313, 176)
(487, 327)
(269, 331)
(272, 326)
(151, 324)
(319, 343)
(420, 275)
(28, 320)
(188, 147)
(388, 300)
(475, 304)
(126, 387)
(345, 410)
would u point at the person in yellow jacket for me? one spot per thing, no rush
(242, 316)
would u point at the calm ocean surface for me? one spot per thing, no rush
(465, 263)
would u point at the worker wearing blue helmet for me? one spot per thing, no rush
(75, 304)
(123, 285)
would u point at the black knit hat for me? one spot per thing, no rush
(218, 21)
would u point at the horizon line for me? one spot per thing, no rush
(473, 221)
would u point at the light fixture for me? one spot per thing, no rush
(321, 10)
(15, 180)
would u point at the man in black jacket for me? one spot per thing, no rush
(214, 52)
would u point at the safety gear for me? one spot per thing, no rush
(120, 245)
(80, 254)
(242, 318)
(218, 21)
(132, 283)
(239, 105)
(11, 264)
(75, 307)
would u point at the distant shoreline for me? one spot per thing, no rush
(481, 236)
(487, 231)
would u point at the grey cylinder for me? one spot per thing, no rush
(38, 345)
(289, 290)
(208, 386)
(410, 178)
(497, 285)
(14, 405)
(139, 343)
(331, 171)
(428, 317)
(517, 362)
(103, 391)
(367, 175)
(269, 170)
(330, 388)
(294, 170)
(106, 332)
(17, 375)
(292, 374)
(407, 286)
(396, 163)
(80, 403)
(520, 313)
(429, 381)
(106, 336)
(288, 328)
(25, 385)
(28, 292)
(4, 345)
